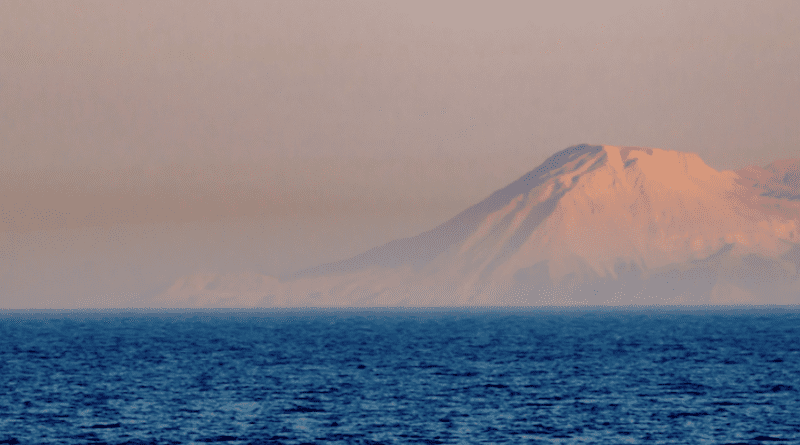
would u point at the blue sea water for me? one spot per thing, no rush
(373, 377)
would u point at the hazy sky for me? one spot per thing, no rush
(144, 140)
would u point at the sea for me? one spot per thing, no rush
(673, 375)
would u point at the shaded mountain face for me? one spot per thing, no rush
(591, 225)
(424, 248)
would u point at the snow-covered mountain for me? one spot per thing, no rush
(594, 225)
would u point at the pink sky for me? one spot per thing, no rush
(144, 140)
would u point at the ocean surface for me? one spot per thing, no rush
(369, 377)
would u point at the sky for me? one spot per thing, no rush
(141, 141)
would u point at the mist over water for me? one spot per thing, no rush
(448, 376)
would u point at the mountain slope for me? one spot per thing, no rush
(591, 225)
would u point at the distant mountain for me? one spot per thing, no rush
(592, 225)
(781, 179)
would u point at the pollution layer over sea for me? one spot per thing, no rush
(718, 375)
